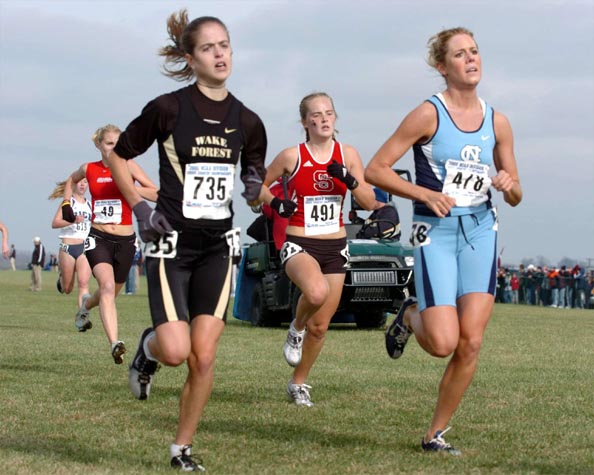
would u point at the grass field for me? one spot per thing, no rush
(65, 407)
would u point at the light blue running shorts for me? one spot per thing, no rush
(454, 256)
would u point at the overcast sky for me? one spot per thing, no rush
(69, 67)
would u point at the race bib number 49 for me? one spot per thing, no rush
(467, 182)
(208, 188)
(108, 212)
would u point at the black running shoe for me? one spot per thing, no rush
(438, 444)
(59, 284)
(398, 333)
(185, 463)
(140, 375)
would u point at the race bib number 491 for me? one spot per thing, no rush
(322, 214)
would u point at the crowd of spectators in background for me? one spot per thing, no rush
(546, 286)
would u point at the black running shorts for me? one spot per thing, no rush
(331, 254)
(117, 251)
(197, 281)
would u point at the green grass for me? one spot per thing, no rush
(65, 407)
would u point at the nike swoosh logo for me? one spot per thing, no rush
(229, 131)
(485, 137)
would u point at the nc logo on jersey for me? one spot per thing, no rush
(471, 153)
(322, 182)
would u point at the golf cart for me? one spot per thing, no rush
(379, 274)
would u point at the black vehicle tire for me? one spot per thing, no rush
(260, 313)
(374, 319)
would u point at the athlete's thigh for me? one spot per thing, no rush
(205, 332)
(304, 271)
(477, 260)
(83, 270)
(67, 268)
(435, 266)
(174, 338)
(474, 310)
(210, 282)
(335, 284)
(103, 272)
(324, 314)
(168, 282)
(441, 327)
(123, 258)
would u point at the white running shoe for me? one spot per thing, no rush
(81, 320)
(299, 394)
(293, 346)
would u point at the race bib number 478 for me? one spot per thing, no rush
(467, 182)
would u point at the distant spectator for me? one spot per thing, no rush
(4, 231)
(530, 285)
(12, 257)
(554, 286)
(500, 285)
(541, 286)
(515, 285)
(37, 263)
(53, 263)
(134, 272)
(507, 290)
(522, 289)
(564, 283)
(579, 287)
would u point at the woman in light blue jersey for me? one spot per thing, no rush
(457, 139)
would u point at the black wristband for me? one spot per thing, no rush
(354, 185)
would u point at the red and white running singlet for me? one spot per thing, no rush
(319, 195)
(109, 205)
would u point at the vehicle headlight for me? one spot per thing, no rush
(409, 261)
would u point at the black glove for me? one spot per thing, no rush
(151, 224)
(253, 183)
(337, 170)
(68, 212)
(284, 208)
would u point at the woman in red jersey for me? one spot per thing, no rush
(110, 245)
(315, 252)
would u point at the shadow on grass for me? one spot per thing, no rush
(68, 451)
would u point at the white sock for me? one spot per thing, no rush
(146, 349)
(300, 332)
(175, 450)
(114, 343)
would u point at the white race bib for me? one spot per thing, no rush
(419, 236)
(322, 214)
(208, 188)
(90, 243)
(108, 211)
(165, 247)
(467, 182)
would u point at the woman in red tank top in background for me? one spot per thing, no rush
(315, 252)
(110, 245)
